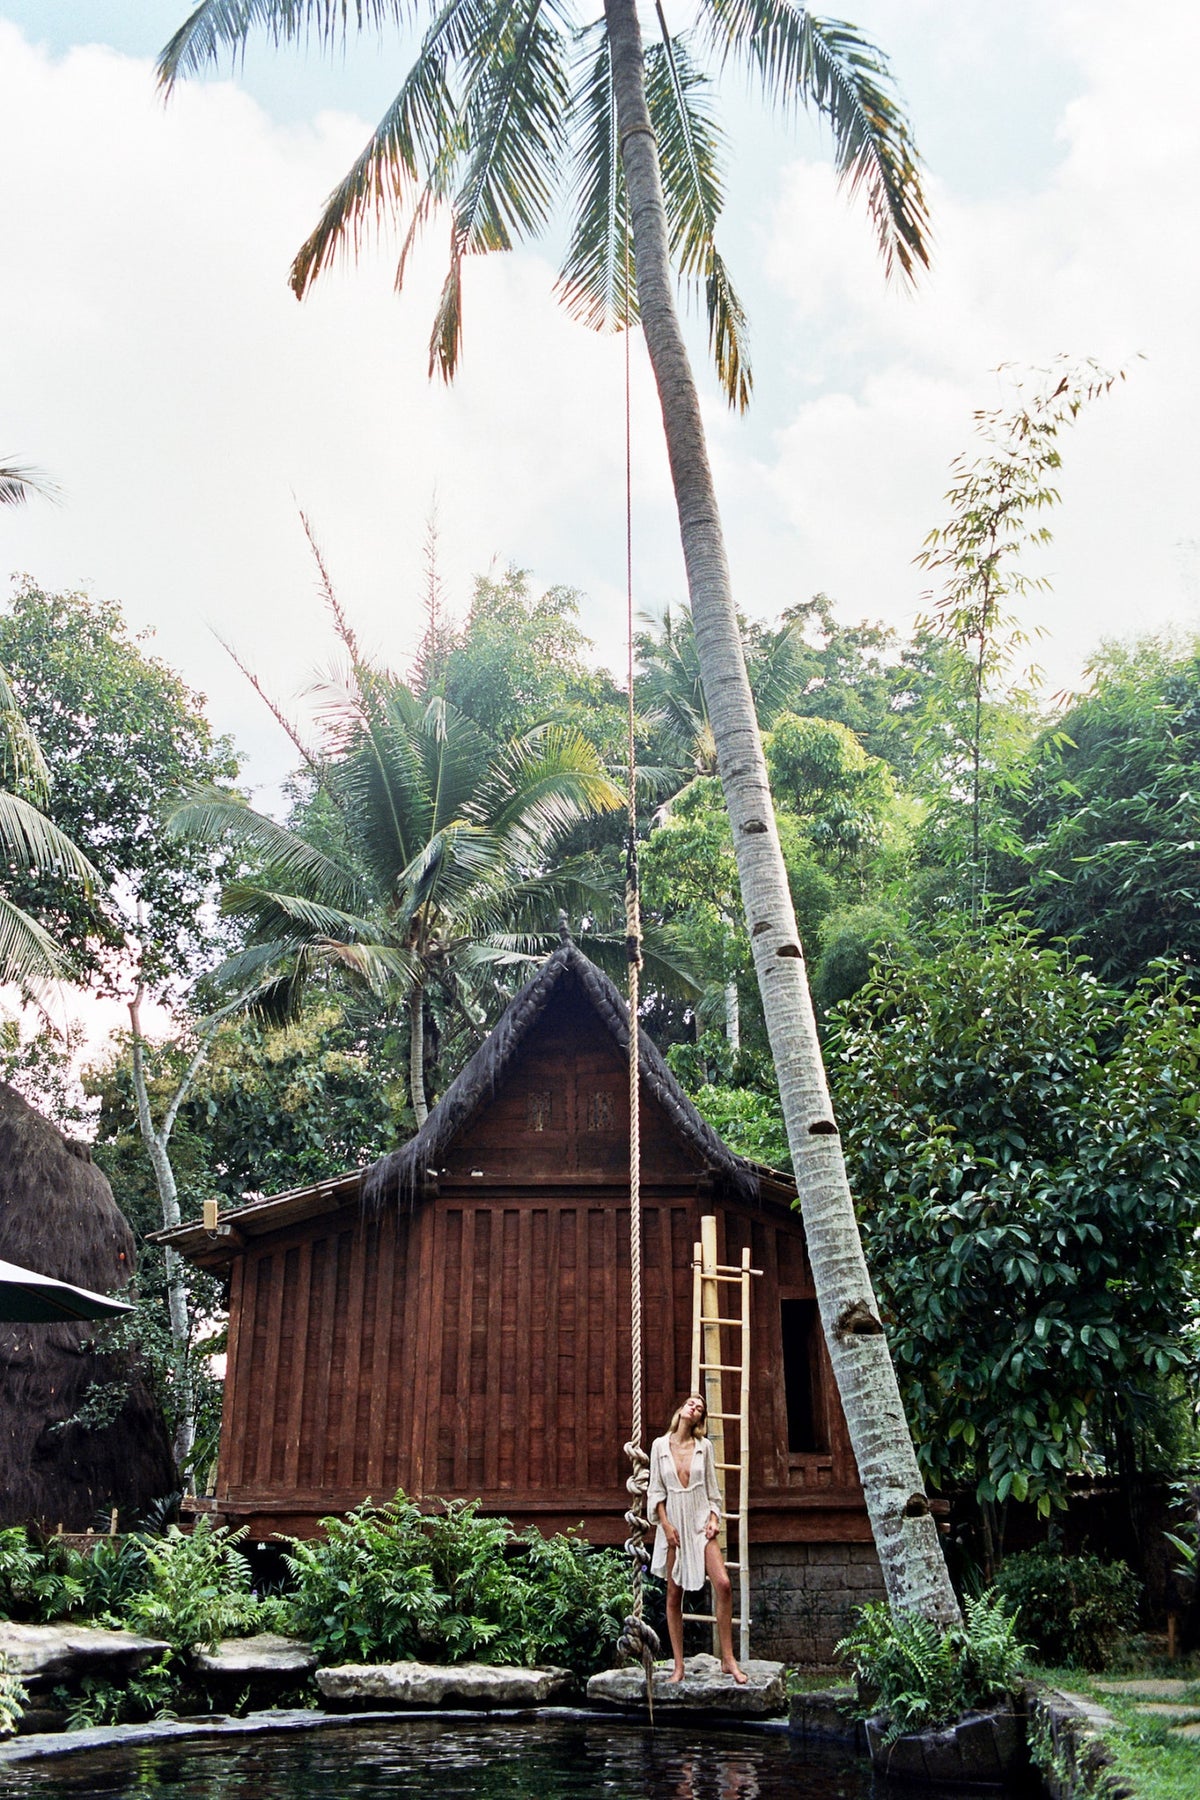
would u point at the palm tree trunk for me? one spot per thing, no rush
(416, 1054)
(905, 1532)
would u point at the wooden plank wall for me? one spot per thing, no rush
(480, 1346)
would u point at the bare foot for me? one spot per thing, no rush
(677, 1674)
(739, 1675)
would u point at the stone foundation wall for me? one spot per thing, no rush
(803, 1596)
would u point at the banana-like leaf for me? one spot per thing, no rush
(27, 953)
(29, 842)
(801, 60)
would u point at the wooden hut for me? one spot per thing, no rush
(455, 1321)
(58, 1216)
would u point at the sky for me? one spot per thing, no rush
(157, 366)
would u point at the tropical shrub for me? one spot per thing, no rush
(582, 1595)
(198, 1588)
(1073, 1609)
(364, 1589)
(148, 1694)
(922, 1676)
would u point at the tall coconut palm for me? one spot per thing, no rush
(429, 857)
(29, 844)
(507, 98)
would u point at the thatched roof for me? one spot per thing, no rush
(402, 1174)
(58, 1215)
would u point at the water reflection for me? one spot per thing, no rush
(437, 1759)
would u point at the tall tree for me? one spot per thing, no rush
(478, 125)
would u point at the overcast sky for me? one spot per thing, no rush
(157, 366)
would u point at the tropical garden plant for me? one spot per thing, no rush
(504, 105)
(920, 1676)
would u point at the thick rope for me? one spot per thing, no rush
(637, 1640)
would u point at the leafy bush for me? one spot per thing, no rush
(198, 1588)
(20, 1564)
(390, 1582)
(922, 1676)
(1073, 1609)
(12, 1697)
(365, 1588)
(582, 1595)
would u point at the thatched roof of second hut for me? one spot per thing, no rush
(58, 1216)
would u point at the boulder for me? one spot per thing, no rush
(265, 1657)
(983, 1749)
(433, 1685)
(43, 1654)
(704, 1688)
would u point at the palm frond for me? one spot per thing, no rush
(214, 817)
(690, 146)
(417, 139)
(29, 842)
(219, 26)
(19, 482)
(27, 953)
(544, 783)
(799, 59)
(278, 916)
(511, 124)
(22, 764)
(595, 282)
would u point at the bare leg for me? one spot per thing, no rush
(718, 1575)
(674, 1619)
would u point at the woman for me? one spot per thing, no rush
(685, 1499)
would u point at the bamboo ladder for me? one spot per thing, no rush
(709, 1277)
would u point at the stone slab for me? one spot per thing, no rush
(704, 1688)
(433, 1684)
(1186, 1731)
(45, 1653)
(265, 1656)
(1170, 1709)
(982, 1749)
(1147, 1688)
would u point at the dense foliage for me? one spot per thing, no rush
(1072, 1609)
(1023, 1144)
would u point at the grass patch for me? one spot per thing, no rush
(1151, 1758)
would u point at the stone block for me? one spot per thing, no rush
(46, 1654)
(433, 1685)
(266, 1655)
(704, 1688)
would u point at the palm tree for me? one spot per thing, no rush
(426, 863)
(19, 482)
(29, 844)
(506, 99)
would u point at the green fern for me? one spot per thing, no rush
(921, 1676)
(12, 1697)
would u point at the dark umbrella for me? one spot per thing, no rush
(26, 1297)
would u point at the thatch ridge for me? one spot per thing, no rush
(58, 1215)
(402, 1174)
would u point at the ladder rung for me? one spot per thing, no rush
(729, 1466)
(726, 1368)
(724, 1271)
(717, 1415)
(707, 1321)
(711, 1619)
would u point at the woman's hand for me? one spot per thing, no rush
(671, 1535)
(712, 1527)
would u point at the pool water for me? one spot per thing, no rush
(437, 1759)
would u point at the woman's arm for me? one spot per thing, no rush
(657, 1491)
(711, 1487)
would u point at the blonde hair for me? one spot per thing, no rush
(698, 1431)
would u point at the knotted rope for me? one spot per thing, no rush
(638, 1640)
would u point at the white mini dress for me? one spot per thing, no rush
(688, 1509)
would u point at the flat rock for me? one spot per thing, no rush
(1170, 1709)
(433, 1684)
(704, 1688)
(1187, 1731)
(264, 1655)
(1147, 1688)
(44, 1653)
